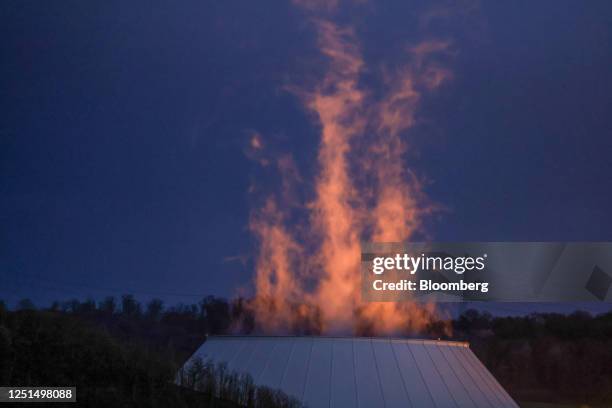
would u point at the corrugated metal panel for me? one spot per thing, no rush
(297, 368)
(273, 373)
(453, 384)
(418, 393)
(465, 377)
(362, 372)
(242, 356)
(394, 390)
(344, 392)
(369, 392)
(318, 379)
(500, 393)
(435, 384)
(476, 378)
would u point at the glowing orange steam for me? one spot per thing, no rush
(276, 278)
(343, 211)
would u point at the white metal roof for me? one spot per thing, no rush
(362, 372)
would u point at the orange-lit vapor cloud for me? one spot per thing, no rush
(316, 278)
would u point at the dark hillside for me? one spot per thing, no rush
(114, 361)
(128, 355)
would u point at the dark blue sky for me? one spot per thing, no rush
(124, 125)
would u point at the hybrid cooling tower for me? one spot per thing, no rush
(361, 372)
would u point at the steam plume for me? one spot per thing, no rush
(309, 274)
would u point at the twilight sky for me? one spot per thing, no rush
(125, 131)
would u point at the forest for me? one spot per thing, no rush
(119, 352)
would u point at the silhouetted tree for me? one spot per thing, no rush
(130, 307)
(154, 309)
(26, 304)
(216, 311)
(3, 312)
(88, 306)
(108, 306)
(56, 306)
(243, 318)
(217, 381)
(5, 354)
(71, 306)
(472, 319)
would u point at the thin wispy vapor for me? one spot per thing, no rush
(361, 138)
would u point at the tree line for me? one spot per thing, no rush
(133, 348)
(548, 357)
(124, 355)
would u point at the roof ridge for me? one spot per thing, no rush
(402, 339)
